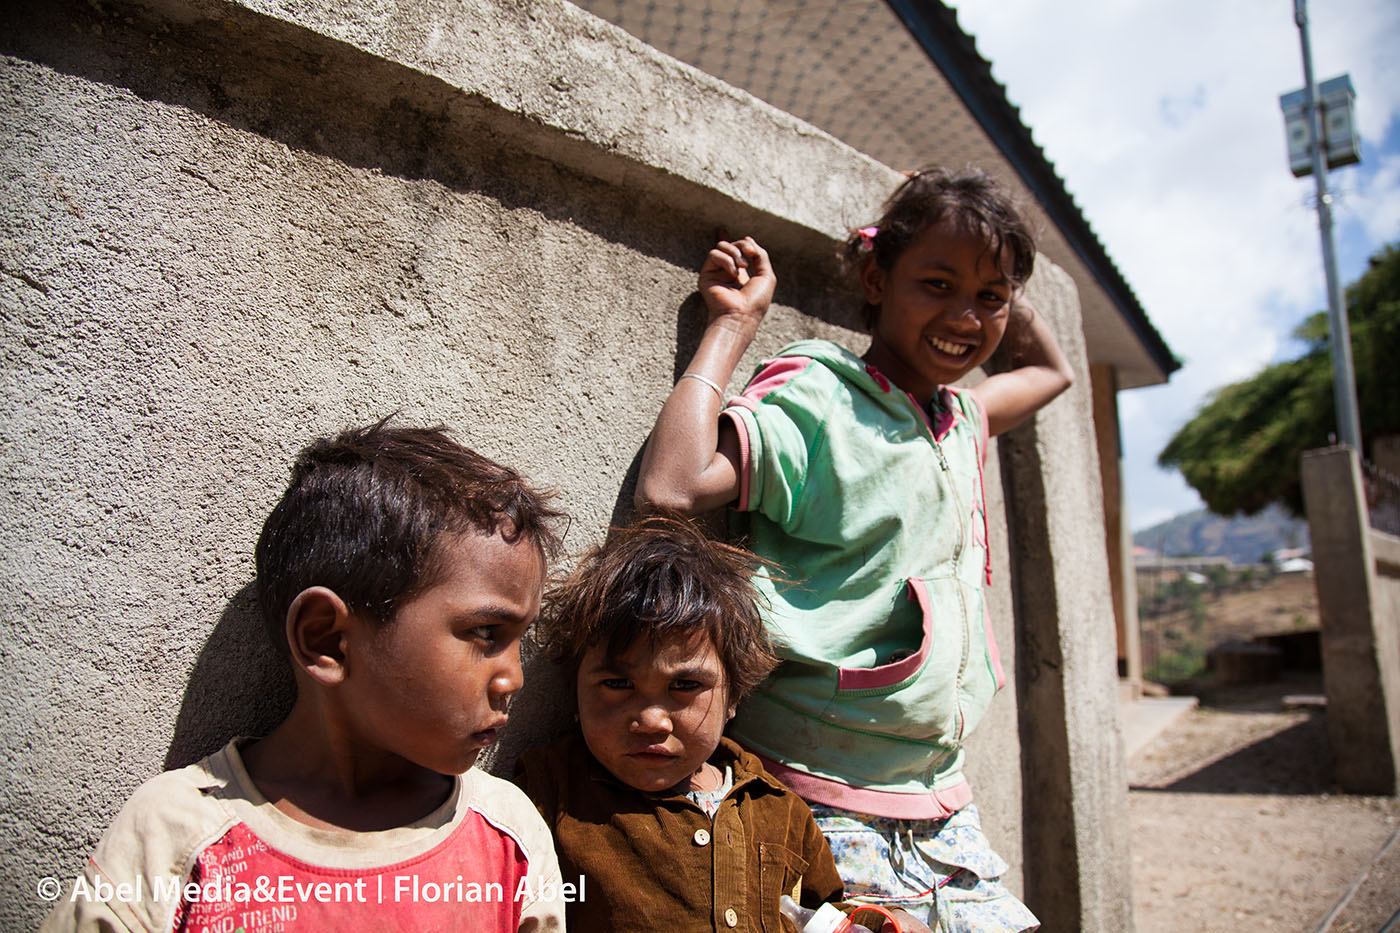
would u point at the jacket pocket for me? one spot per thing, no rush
(904, 664)
(780, 872)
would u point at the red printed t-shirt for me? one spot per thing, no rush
(201, 850)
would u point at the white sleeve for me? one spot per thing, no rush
(506, 807)
(146, 852)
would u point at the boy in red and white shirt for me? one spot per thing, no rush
(398, 573)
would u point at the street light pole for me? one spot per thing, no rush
(1343, 382)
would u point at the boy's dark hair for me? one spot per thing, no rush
(972, 199)
(659, 577)
(364, 512)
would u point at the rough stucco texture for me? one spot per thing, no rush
(225, 234)
(1075, 790)
(201, 273)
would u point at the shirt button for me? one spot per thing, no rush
(702, 838)
(731, 918)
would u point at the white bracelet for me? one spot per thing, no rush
(709, 382)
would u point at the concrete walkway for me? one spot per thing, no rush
(1148, 717)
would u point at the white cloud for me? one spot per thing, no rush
(1163, 119)
(1374, 202)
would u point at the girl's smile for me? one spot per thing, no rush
(943, 307)
(952, 349)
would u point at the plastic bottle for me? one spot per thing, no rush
(825, 919)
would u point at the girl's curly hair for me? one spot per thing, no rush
(657, 578)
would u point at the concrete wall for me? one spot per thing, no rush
(231, 227)
(1075, 799)
(1357, 570)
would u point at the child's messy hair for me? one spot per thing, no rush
(659, 577)
(972, 199)
(364, 511)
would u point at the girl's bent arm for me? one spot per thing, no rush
(1039, 371)
(691, 462)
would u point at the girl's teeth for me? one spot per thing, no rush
(946, 347)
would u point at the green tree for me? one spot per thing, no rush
(1241, 450)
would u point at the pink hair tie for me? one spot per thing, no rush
(867, 238)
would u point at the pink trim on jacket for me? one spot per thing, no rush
(933, 805)
(985, 439)
(887, 675)
(745, 456)
(947, 418)
(775, 374)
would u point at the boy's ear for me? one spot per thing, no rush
(317, 623)
(872, 280)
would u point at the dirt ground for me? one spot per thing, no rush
(1235, 825)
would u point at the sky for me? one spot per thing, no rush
(1163, 120)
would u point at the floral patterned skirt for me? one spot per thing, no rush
(943, 872)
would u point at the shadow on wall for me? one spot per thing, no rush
(239, 686)
(691, 318)
(623, 509)
(690, 327)
(242, 686)
(542, 711)
(544, 707)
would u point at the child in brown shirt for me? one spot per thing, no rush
(669, 824)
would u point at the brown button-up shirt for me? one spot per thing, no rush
(656, 862)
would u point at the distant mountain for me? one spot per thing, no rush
(1243, 539)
